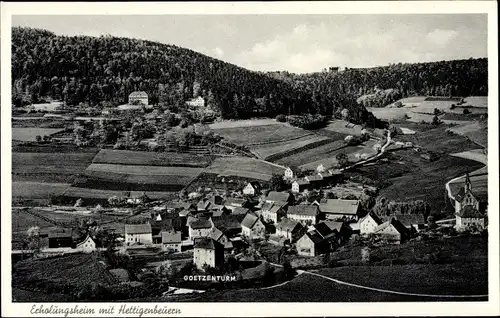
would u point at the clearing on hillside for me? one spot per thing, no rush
(243, 123)
(29, 134)
(275, 151)
(261, 135)
(144, 158)
(244, 167)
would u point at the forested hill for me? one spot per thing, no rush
(390, 83)
(105, 70)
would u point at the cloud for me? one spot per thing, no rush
(442, 37)
(218, 52)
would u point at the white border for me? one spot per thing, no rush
(267, 309)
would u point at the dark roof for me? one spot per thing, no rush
(332, 225)
(228, 222)
(314, 177)
(275, 196)
(324, 230)
(216, 233)
(235, 201)
(200, 224)
(137, 228)
(287, 224)
(240, 210)
(60, 233)
(338, 206)
(315, 237)
(309, 210)
(470, 211)
(207, 243)
(249, 220)
(302, 182)
(171, 237)
(394, 222)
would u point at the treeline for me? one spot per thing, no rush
(390, 83)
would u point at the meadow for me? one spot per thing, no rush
(274, 151)
(29, 134)
(144, 158)
(261, 135)
(244, 167)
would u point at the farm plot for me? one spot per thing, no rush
(36, 190)
(244, 167)
(22, 220)
(476, 101)
(243, 123)
(388, 113)
(143, 158)
(275, 151)
(475, 154)
(49, 167)
(29, 134)
(311, 155)
(344, 127)
(261, 135)
(477, 132)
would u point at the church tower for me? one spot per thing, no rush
(468, 184)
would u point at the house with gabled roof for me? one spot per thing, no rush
(289, 229)
(312, 244)
(341, 230)
(288, 174)
(305, 214)
(272, 212)
(315, 180)
(171, 240)
(199, 227)
(252, 227)
(300, 185)
(220, 237)
(203, 205)
(340, 209)
(392, 231)
(368, 223)
(252, 188)
(240, 211)
(283, 197)
(87, 245)
(230, 225)
(413, 222)
(207, 251)
(138, 234)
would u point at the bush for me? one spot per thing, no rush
(281, 118)
(309, 121)
(466, 111)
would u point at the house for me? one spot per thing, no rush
(232, 203)
(171, 240)
(230, 225)
(315, 180)
(368, 223)
(252, 227)
(340, 209)
(273, 212)
(240, 210)
(138, 98)
(208, 252)
(325, 175)
(300, 185)
(196, 102)
(87, 245)
(320, 168)
(60, 237)
(217, 199)
(289, 229)
(138, 234)
(203, 205)
(305, 214)
(275, 196)
(312, 244)
(220, 237)
(288, 173)
(278, 240)
(392, 231)
(252, 188)
(342, 230)
(199, 228)
(413, 222)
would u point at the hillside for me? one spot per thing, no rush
(104, 70)
(380, 86)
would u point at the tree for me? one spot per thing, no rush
(281, 118)
(342, 159)
(436, 121)
(466, 111)
(38, 138)
(288, 271)
(277, 182)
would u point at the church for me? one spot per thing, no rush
(470, 209)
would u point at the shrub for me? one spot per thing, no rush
(281, 118)
(466, 111)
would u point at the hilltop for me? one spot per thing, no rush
(103, 71)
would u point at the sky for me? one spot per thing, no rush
(294, 43)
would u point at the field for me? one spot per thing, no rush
(476, 131)
(54, 167)
(475, 154)
(261, 135)
(29, 134)
(142, 158)
(479, 184)
(476, 101)
(244, 167)
(274, 151)
(21, 221)
(343, 127)
(243, 123)
(36, 190)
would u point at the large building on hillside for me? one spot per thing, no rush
(470, 208)
(138, 98)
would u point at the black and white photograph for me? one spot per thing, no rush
(160, 158)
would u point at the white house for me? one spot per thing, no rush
(368, 224)
(320, 168)
(87, 245)
(199, 228)
(252, 226)
(289, 229)
(300, 185)
(138, 98)
(250, 189)
(273, 212)
(171, 241)
(392, 231)
(288, 173)
(138, 234)
(338, 209)
(208, 252)
(196, 102)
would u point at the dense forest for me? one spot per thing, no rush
(390, 83)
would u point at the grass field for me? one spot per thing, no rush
(29, 134)
(261, 135)
(21, 221)
(276, 150)
(142, 158)
(344, 127)
(476, 131)
(475, 154)
(36, 190)
(243, 123)
(49, 167)
(244, 167)
(476, 101)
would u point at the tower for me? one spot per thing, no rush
(468, 185)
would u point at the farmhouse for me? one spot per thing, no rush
(273, 212)
(312, 244)
(199, 228)
(392, 231)
(340, 229)
(138, 234)
(300, 185)
(232, 203)
(288, 173)
(240, 211)
(220, 237)
(413, 222)
(282, 197)
(138, 98)
(203, 205)
(315, 180)
(252, 227)
(60, 237)
(196, 102)
(252, 188)
(230, 225)
(87, 245)
(368, 223)
(208, 252)
(305, 214)
(289, 229)
(340, 209)
(171, 240)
